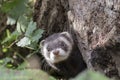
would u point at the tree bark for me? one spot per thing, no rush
(95, 24)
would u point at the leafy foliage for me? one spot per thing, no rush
(90, 75)
(15, 8)
(4, 62)
(24, 25)
(10, 21)
(26, 34)
(10, 37)
(31, 36)
(27, 74)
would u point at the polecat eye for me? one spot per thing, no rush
(48, 48)
(63, 44)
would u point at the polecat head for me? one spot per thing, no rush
(57, 47)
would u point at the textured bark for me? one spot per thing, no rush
(96, 25)
(2, 29)
(2, 22)
(50, 15)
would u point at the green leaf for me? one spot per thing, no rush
(10, 21)
(11, 37)
(8, 33)
(37, 35)
(15, 8)
(19, 27)
(33, 46)
(90, 75)
(1, 61)
(24, 42)
(31, 27)
(27, 74)
(23, 65)
(5, 61)
(22, 24)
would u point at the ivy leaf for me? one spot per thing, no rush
(31, 27)
(24, 42)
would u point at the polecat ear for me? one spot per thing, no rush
(68, 36)
(65, 33)
(42, 43)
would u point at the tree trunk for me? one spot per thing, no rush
(96, 25)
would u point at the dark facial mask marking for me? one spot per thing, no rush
(58, 44)
(66, 37)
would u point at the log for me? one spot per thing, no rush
(95, 25)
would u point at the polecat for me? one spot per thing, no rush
(63, 58)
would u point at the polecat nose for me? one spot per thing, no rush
(56, 53)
